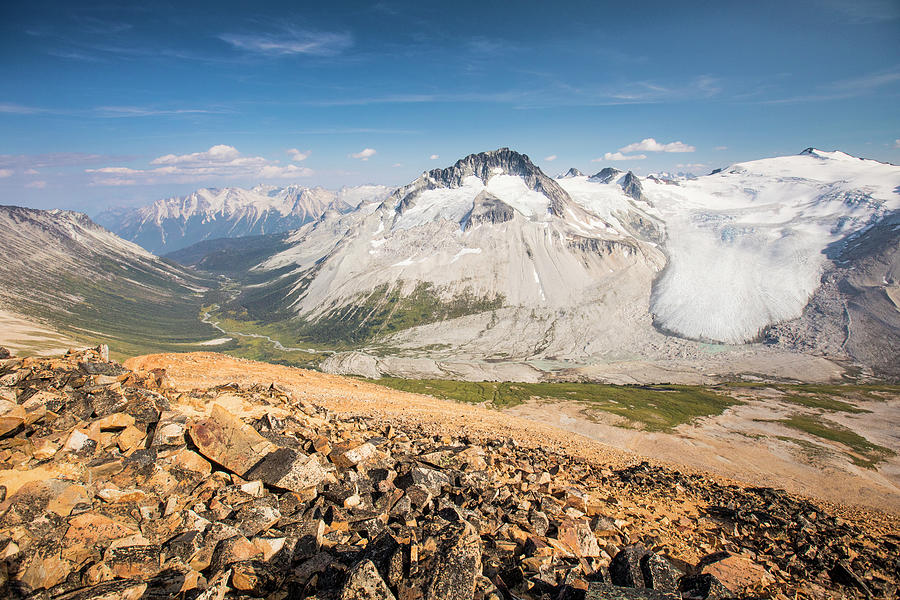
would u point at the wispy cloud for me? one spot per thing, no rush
(364, 154)
(550, 158)
(720, 148)
(27, 162)
(897, 143)
(112, 112)
(861, 12)
(38, 185)
(651, 145)
(619, 156)
(115, 112)
(218, 162)
(20, 109)
(845, 88)
(6, 173)
(297, 155)
(354, 130)
(291, 41)
(433, 157)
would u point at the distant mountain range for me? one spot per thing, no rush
(174, 223)
(786, 266)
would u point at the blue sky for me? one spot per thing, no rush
(104, 105)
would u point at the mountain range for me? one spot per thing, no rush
(174, 223)
(786, 267)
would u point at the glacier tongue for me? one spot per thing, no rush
(746, 246)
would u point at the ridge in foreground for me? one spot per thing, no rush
(127, 487)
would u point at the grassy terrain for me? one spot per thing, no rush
(262, 350)
(135, 307)
(654, 408)
(832, 398)
(362, 320)
(862, 452)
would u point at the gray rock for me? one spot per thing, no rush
(430, 479)
(458, 565)
(625, 568)
(606, 591)
(288, 469)
(659, 574)
(365, 583)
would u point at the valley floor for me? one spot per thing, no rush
(25, 336)
(730, 445)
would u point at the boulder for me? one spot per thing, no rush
(365, 583)
(228, 441)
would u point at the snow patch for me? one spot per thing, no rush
(512, 190)
(215, 342)
(463, 252)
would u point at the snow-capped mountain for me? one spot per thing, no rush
(572, 172)
(492, 258)
(489, 255)
(60, 267)
(174, 223)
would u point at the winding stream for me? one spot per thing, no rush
(206, 318)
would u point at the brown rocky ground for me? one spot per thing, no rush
(225, 478)
(542, 428)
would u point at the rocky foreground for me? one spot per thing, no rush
(115, 485)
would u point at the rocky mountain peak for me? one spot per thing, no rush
(573, 172)
(485, 165)
(631, 185)
(605, 175)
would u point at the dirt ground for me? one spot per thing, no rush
(357, 397)
(27, 337)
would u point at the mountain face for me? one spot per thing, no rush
(572, 172)
(490, 258)
(64, 269)
(175, 223)
(605, 175)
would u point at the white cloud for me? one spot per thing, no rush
(397, 165)
(287, 171)
(690, 165)
(720, 148)
(114, 182)
(114, 171)
(36, 185)
(218, 153)
(6, 173)
(550, 158)
(291, 41)
(896, 143)
(219, 162)
(31, 172)
(619, 156)
(651, 145)
(297, 155)
(434, 157)
(364, 154)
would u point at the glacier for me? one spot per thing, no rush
(746, 246)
